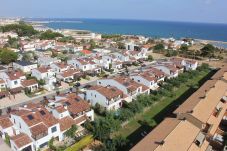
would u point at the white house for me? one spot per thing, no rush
(170, 70)
(125, 84)
(85, 64)
(45, 44)
(146, 78)
(158, 74)
(6, 126)
(123, 56)
(69, 75)
(31, 85)
(24, 66)
(46, 74)
(191, 65)
(21, 142)
(12, 78)
(37, 123)
(59, 67)
(108, 97)
(79, 109)
(27, 46)
(47, 61)
(187, 64)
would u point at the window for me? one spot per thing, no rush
(15, 82)
(95, 96)
(20, 125)
(53, 129)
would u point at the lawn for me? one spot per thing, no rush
(81, 144)
(158, 111)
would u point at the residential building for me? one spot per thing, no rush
(13, 78)
(69, 75)
(46, 74)
(85, 64)
(37, 123)
(59, 67)
(125, 84)
(109, 97)
(31, 85)
(47, 61)
(169, 69)
(24, 66)
(199, 123)
(146, 78)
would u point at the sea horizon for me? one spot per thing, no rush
(148, 28)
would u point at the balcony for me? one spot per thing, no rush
(39, 136)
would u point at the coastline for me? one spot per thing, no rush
(45, 24)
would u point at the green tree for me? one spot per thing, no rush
(7, 56)
(208, 50)
(21, 29)
(71, 132)
(159, 47)
(50, 35)
(150, 58)
(184, 48)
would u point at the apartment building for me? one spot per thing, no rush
(200, 122)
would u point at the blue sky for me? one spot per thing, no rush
(213, 11)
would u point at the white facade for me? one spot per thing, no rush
(25, 68)
(153, 85)
(46, 61)
(168, 71)
(96, 97)
(12, 83)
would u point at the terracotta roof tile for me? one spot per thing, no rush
(21, 140)
(5, 122)
(66, 123)
(30, 82)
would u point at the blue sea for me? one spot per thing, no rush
(157, 29)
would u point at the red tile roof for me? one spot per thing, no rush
(86, 52)
(66, 123)
(5, 122)
(13, 75)
(108, 92)
(30, 82)
(21, 140)
(43, 69)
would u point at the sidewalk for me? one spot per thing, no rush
(3, 146)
